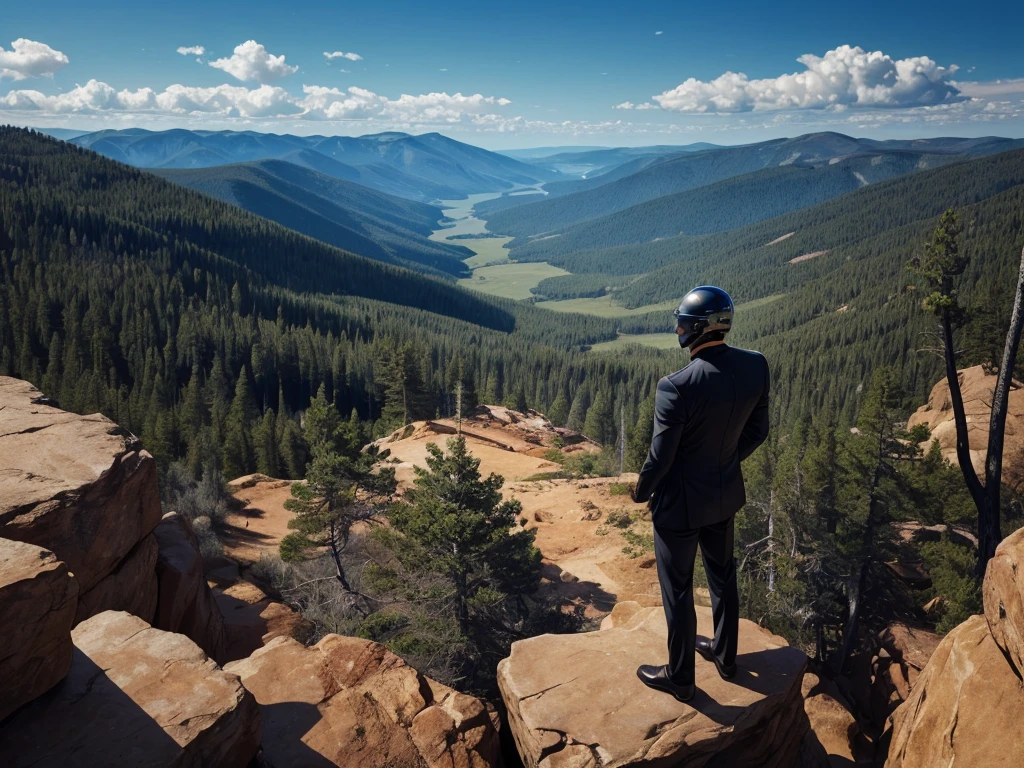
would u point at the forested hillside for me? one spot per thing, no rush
(207, 329)
(724, 205)
(602, 195)
(337, 212)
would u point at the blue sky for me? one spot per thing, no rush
(520, 74)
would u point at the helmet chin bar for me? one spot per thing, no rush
(692, 327)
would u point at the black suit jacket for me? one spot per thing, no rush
(708, 417)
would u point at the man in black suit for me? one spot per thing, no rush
(708, 417)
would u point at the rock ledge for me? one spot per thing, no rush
(574, 701)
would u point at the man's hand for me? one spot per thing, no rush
(632, 493)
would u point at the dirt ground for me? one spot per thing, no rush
(262, 521)
(584, 561)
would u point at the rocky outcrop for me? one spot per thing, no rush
(135, 696)
(130, 587)
(1004, 598)
(967, 705)
(351, 702)
(575, 700)
(976, 387)
(835, 738)
(79, 486)
(37, 601)
(902, 652)
(185, 603)
(252, 619)
(966, 708)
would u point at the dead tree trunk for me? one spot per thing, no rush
(989, 533)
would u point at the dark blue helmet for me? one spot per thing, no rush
(705, 309)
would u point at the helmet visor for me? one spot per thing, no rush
(688, 328)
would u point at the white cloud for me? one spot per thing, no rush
(251, 61)
(96, 97)
(322, 103)
(27, 58)
(659, 32)
(341, 55)
(266, 101)
(625, 105)
(191, 50)
(844, 77)
(1009, 87)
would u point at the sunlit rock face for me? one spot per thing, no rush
(575, 700)
(351, 702)
(83, 488)
(135, 696)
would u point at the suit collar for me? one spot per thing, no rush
(710, 352)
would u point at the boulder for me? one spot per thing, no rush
(902, 652)
(185, 603)
(835, 737)
(1003, 592)
(251, 619)
(80, 486)
(351, 702)
(976, 386)
(135, 696)
(965, 710)
(130, 587)
(37, 601)
(622, 613)
(911, 645)
(575, 700)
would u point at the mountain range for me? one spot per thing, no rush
(341, 213)
(426, 167)
(643, 179)
(822, 290)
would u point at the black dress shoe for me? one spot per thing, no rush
(657, 678)
(727, 671)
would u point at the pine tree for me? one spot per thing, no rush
(239, 458)
(264, 438)
(871, 498)
(578, 411)
(454, 524)
(600, 421)
(326, 506)
(559, 410)
(639, 442)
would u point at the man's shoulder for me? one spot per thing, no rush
(748, 356)
(679, 377)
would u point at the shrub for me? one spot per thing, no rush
(194, 497)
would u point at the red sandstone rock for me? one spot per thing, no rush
(575, 700)
(1004, 597)
(185, 603)
(966, 708)
(79, 486)
(37, 601)
(351, 702)
(135, 696)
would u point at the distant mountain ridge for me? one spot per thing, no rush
(425, 167)
(573, 202)
(341, 213)
(727, 204)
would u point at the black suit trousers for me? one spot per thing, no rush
(675, 552)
